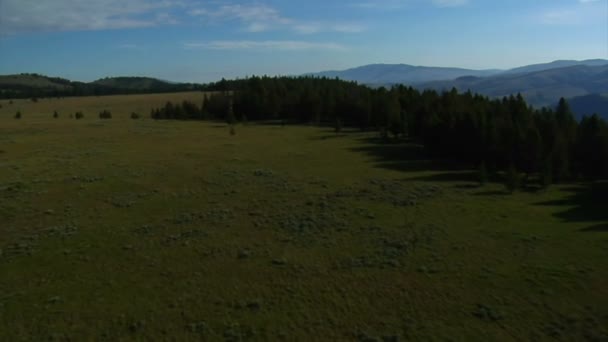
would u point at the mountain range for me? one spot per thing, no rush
(584, 83)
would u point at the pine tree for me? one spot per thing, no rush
(483, 173)
(512, 179)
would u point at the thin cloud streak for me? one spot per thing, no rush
(287, 45)
(261, 18)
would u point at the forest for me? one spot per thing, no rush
(505, 136)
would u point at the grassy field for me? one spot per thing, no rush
(142, 230)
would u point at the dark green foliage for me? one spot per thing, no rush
(55, 115)
(18, 115)
(232, 130)
(105, 114)
(592, 147)
(78, 115)
(184, 111)
(135, 116)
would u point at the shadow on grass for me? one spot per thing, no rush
(408, 156)
(585, 203)
(402, 156)
(597, 228)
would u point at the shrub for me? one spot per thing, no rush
(134, 116)
(55, 115)
(105, 114)
(78, 115)
(18, 115)
(232, 130)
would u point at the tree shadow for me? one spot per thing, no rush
(603, 227)
(585, 203)
(400, 155)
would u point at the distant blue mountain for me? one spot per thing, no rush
(385, 74)
(556, 65)
(539, 88)
(590, 104)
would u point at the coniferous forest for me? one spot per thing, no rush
(495, 135)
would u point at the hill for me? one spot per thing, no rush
(590, 104)
(138, 83)
(540, 88)
(556, 65)
(35, 85)
(378, 74)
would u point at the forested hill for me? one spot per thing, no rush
(35, 85)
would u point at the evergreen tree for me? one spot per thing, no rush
(512, 179)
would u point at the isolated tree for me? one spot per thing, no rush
(18, 115)
(393, 113)
(512, 179)
(483, 174)
(55, 115)
(230, 117)
(338, 125)
(546, 174)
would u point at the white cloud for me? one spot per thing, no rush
(450, 3)
(586, 12)
(127, 46)
(290, 45)
(68, 15)
(260, 17)
(387, 5)
(18, 16)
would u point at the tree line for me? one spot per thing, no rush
(491, 134)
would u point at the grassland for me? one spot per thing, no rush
(141, 230)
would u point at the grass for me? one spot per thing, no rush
(134, 229)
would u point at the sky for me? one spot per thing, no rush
(203, 41)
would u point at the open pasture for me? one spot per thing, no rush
(136, 229)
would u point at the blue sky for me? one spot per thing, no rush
(199, 41)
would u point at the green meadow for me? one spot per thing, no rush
(128, 229)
